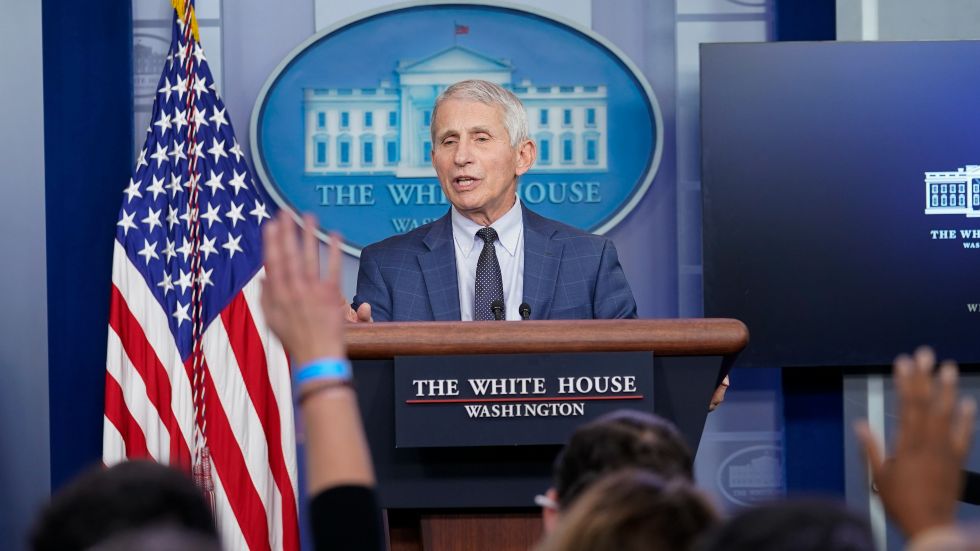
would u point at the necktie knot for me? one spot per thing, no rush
(488, 235)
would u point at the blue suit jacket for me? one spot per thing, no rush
(568, 274)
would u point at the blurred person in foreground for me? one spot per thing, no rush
(159, 538)
(793, 525)
(308, 314)
(623, 439)
(634, 510)
(127, 497)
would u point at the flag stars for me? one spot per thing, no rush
(149, 251)
(234, 214)
(185, 281)
(218, 118)
(169, 252)
(181, 57)
(166, 83)
(171, 218)
(181, 86)
(180, 118)
(200, 87)
(236, 150)
(217, 149)
(166, 282)
(174, 186)
(204, 278)
(177, 152)
(132, 190)
(238, 180)
(188, 217)
(259, 212)
(197, 151)
(214, 182)
(212, 214)
(156, 188)
(198, 53)
(180, 314)
(207, 247)
(200, 119)
(141, 161)
(126, 222)
(152, 219)
(194, 151)
(186, 249)
(160, 155)
(164, 123)
(232, 245)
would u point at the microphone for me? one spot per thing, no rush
(525, 310)
(497, 307)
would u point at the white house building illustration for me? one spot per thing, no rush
(385, 130)
(760, 472)
(954, 192)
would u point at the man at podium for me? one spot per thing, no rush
(489, 257)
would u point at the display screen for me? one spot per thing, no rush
(841, 194)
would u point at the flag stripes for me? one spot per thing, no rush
(192, 372)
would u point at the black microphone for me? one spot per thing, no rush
(497, 307)
(525, 310)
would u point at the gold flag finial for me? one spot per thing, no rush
(180, 6)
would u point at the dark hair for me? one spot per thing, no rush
(159, 538)
(104, 502)
(618, 440)
(798, 524)
(634, 510)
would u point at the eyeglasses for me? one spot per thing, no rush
(545, 502)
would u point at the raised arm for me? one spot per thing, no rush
(307, 313)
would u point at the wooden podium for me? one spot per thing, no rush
(482, 498)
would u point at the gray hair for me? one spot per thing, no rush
(488, 93)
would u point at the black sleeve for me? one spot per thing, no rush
(971, 488)
(347, 518)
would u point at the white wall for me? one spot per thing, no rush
(908, 19)
(24, 437)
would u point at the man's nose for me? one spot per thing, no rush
(463, 155)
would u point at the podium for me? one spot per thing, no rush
(483, 497)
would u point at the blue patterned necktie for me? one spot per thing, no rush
(489, 284)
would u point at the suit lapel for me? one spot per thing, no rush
(542, 257)
(438, 266)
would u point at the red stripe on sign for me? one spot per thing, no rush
(229, 464)
(155, 377)
(119, 415)
(538, 399)
(249, 351)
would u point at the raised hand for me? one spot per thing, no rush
(920, 484)
(306, 312)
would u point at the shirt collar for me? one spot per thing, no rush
(509, 228)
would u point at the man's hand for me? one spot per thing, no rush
(304, 311)
(719, 396)
(361, 315)
(920, 484)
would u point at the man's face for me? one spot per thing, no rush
(473, 158)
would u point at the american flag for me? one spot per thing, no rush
(194, 378)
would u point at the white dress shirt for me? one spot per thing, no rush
(509, 247)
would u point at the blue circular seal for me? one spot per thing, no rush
(341, 127)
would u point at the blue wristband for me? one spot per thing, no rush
(323, 368)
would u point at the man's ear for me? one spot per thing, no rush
(549, 515)
(527, 153)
